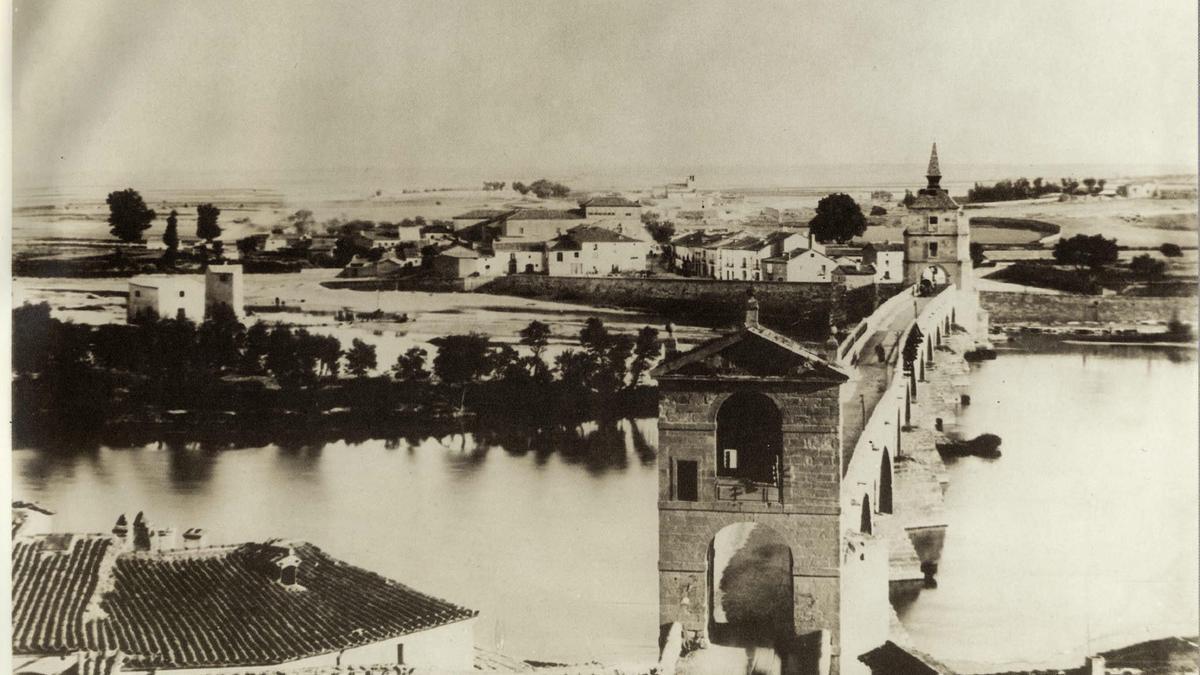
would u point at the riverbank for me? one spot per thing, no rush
(1054, 309)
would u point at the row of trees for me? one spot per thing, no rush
(129, 218)
(1023, 188)
(542, 188)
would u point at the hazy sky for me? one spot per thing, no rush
(246, 86)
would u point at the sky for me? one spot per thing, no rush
(138, 87)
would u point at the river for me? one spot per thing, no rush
(1085, 528)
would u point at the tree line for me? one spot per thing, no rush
(1023, 188)
(85, 377)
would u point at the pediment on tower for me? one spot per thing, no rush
(753, 353)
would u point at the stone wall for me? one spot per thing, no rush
(781, 304)
(1048, 309)
(807, 517)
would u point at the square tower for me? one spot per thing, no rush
(223, 286)
(749, 470)
(937, 240)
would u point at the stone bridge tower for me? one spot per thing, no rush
(937, 239)
(748, 500)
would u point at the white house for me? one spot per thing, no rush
(165, 297)
(800, 265)
(460, 262)
(541, 224)
(888, 260)
(521, 257)
(740, 258)
(137, 602)
(615, 209)
(588, 250)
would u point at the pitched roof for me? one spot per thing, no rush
(610, 200)
(745, 243)
(697, 238)
(893, 659)
(212, 607)
(755, 353)
(594, 234)
(458, 251)
(933, 200)
(934, 169)
(482, 214)
(547, 214)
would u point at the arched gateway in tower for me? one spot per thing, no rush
(937, 240)
(749, 493)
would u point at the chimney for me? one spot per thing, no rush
(167, 539)
(121, 532)
(751, 310)
(142, 533)
(194, 538)
(1094, 665)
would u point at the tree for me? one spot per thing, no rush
(171, 235)
(128, 215)
(520, 187)
(909, 198)
(360, 358)
(1147, 266)
(1084, 251)
(462, 358)
(1090, 184)
(536, 336)
(878, 210)
(206, 222)
(912, 346)
(301, 221)
(1170, 250)
(662, 231)
(646, 348)
(410, 366)
(838, 218)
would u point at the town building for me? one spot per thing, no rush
(542, 224)
(136, 601)
(165, 297)
(740, 258)
(223, 286)
(615, 209)
(800, 265)
(691, 251)
(936, 235)
(523, 257)
(434, 235)
(887, 258)
(460, 262)
(590, 250)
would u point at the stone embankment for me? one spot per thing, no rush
(1051, 309)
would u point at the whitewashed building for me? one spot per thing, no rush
(165, 297)
(223, 286)
(800, 265)
(589, 250)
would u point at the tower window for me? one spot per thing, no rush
(933, 220)
(933, 248)
(687, 480)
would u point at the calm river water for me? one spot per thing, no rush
(1085, 528)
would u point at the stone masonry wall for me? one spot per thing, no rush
(808, 518)
(1045, 308)
(781, 304)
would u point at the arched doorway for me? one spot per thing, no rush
(864, 524)
(933, 278)
(750, 587)
(885, 483)
(749, 438)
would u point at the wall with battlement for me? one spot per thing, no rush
(1049, 309)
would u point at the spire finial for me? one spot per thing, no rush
(934, 172)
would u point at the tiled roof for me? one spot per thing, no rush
(934, 169)
(459, 252)
(481, 214)
(212, 607)
(592, 234)
(611, 200)
(547, 214)
(893, 659)
(746, 243)
(933, 200)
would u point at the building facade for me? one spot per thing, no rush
(165, 297)
(937, 244)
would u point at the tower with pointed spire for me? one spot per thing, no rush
(937, 237)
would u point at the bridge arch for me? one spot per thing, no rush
(749, 586)
(749, 437)
(864, 523)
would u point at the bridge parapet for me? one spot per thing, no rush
(850, 351)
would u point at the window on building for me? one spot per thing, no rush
(559, 256)
(933, 248)
(933, 220)
(287, 576)
(687, 480)
(137, 294)
(400, 654)
(181, 294)
(751, 426)
(576, 254)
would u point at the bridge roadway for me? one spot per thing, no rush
(871, 376)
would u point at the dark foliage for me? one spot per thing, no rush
(128, 215)
(206, 222)
(1082, 250)
(838, 218)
